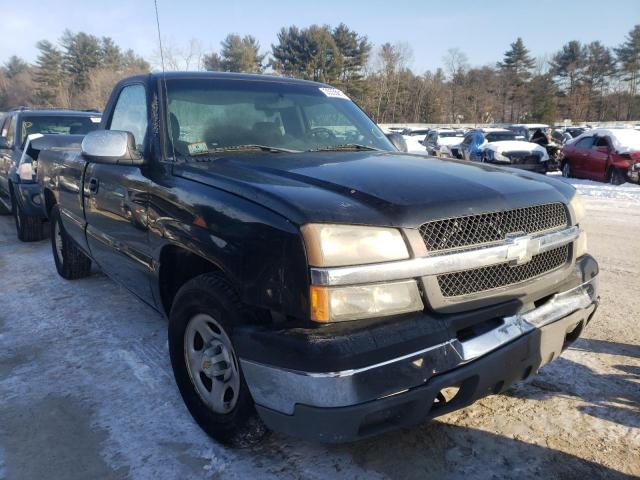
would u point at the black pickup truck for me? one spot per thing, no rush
(317, 281)
(19, 128)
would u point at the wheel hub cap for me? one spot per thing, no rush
(211, 363)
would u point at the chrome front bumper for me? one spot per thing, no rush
(281, 389)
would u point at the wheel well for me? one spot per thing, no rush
(178, 266)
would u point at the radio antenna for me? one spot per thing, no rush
(164, 84)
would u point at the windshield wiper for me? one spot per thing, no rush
(344, 146)
(264, 148)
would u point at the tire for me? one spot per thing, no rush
(3, 209)
(616, 177)
(71, 262)
(209, 304)
(566, 169)
(28, 227)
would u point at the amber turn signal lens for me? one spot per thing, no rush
(319, 304)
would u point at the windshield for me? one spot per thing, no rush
(80, 125)
(450, 134)
(214, 115)
(501, 136)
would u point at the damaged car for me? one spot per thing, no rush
(440, 141)
(602, 154)
(504, 147)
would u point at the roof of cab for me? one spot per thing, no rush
(57, 112)
(224, 76)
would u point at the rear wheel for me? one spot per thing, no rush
(566, 169)
(616, 177)
(71, 262)
(205, 365)
(29, 228)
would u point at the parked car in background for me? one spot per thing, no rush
(602, 154)
(439, 141)
(564, 134)
(414, 139)
(19, 194)
(503, 147)
(526, 130)
(324, 289)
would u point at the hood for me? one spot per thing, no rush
(448, 141)
(514, 146)
(372, 188)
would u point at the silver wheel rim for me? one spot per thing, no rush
(211, 363)
(565, 170)
(57, 240)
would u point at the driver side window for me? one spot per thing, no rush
(9, 129)
(585, 143)
(130, 113)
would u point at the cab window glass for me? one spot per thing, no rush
(130, 113)
(585, 143)
(9, 129)
(601, 142)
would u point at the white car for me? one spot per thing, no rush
(439, 141)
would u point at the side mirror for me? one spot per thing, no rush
(398, 141)
(112, 147)
(4, 144)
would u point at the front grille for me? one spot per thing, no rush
(487, 278)
(485, 228)
(524, 159)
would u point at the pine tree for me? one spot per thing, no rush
(110, 54)
(516, 70)
(82, 53)
(599, 67)
(240, 54)
(568, 65)
(15, 66)
(49, 74)
(629, 58)
(518, 61)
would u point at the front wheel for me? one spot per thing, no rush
(205, 364)
(71, 262)
(616, 177)
(29, 228)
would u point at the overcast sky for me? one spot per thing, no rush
(481, 29)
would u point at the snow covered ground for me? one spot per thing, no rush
(86, 389)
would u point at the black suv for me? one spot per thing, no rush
(18, 191)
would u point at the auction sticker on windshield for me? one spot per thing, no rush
(197, 148)
(334, 93)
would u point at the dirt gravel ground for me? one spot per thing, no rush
(86, 390)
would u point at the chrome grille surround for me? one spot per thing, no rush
(479, 280)
(485, 228)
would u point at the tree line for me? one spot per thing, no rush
(581, 82)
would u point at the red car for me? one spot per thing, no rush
(602, 154)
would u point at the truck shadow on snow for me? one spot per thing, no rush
(609, 396)
(435, 450)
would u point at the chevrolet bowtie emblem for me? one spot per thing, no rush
(521, 248)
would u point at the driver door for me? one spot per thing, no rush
(116, 202)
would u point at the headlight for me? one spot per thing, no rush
(26, 172)
(500, 157)
(579, 213)
(577, 206)
(581, 244)
(339, 304)
(341, 245)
